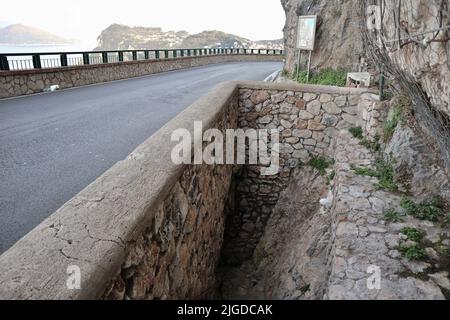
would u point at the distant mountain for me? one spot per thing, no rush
(19, 34)
(121, 37)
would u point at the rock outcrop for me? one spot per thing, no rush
(338, 40)
(425, 58)
(117, 37)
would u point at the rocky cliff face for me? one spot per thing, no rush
(425, 58)
(117, 37)
(338, 41)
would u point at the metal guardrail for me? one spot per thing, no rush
(30, 61)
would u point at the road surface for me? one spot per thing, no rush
(53, 145)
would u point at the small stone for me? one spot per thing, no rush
(286, 124)
(301, 154)
(314, 107)
(286, 133)
(259, 96)
(309, 142)
(329, 120)
(441, 279)
(292, 140)
(309, 96)
(315, 126)
(301, 104)
(353, 100)
(279, 97)
(300, 124)
(325, 98)
(331, 108)
(265, 120)
(285, 107)
(286, 148)
(305, 134)
(340, 101)
(305, 115)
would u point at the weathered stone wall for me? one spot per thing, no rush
(146, 229)
(307, 120)
(177, 255)
(150, 229)
(17, 83)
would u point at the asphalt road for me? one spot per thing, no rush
(53, 145)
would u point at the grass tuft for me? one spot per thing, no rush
(430, 210)
(385, 173)
(413, 252)
(357, 132)
(413, 234)
(320, 163)
(394, 216)
(326, 77)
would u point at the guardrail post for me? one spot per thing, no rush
(166, 54)
(37, 61)
(105, 57)
(86, 58)
(4, 65)
(174, 53)
(134, 55)
(157, 54)
(189, 52)
(63, 59)
(146, 55)
(182, 52)
(195, 52)
(120, 56)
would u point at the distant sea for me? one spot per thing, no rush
(5, 48)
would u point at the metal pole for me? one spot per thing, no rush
(309, 66)
(298, 63)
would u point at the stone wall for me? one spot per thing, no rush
(150, 229)
(177, 255)
(146, 229)
(17, 83)
(307, 118)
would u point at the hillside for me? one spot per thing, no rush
(19, 34)
(117, 37)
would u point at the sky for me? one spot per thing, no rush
(85, 19)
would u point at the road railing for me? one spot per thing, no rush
(42, 60)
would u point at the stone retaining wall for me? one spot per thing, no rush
(17, 83)
(150, 229)
(307, 119)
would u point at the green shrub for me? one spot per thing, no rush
(430, 210)
(393, 216)
(414, 252)
(374, 146)
(396, 116)
(385, 173)
(320, 163)
(326, 77)
(442, 249)
(413, 234)
(357, 132)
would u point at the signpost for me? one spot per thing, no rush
(306, 38)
